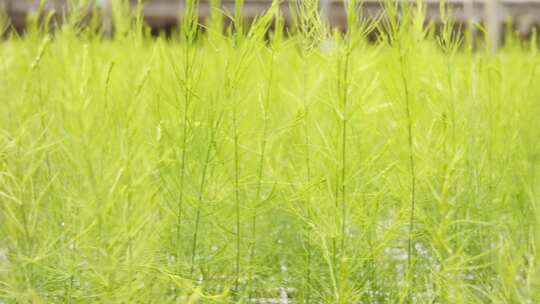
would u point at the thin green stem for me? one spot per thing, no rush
(190, 30)
(201, 198)
(262, 155)
(307, 289)
(410, 142)
(344, 96)
(237, 195)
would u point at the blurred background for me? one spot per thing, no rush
(495, 16)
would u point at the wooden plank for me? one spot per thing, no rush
(493, 22)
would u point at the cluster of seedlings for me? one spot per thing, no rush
(268, 164)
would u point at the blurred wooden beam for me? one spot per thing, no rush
(106, 9)
(325, 9)
(493, 22)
